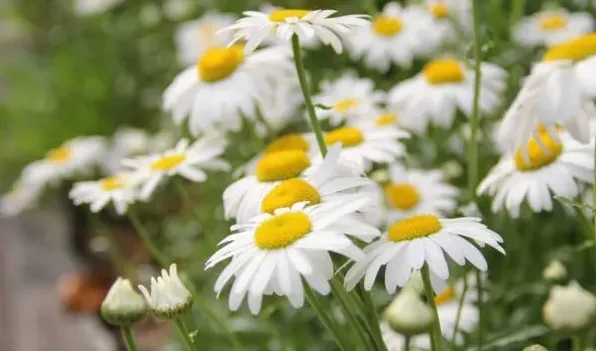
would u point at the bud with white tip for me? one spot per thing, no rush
(169, 298)
(569, 309)
(408, 314)
(123, 306)
(555, 272)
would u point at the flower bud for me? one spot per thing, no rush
(408, 314)
(569, 309)
(555, 272)
(123, 306)
(169, 298)
(535, 348)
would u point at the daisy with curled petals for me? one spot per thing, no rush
(396, 36)
(410, 192)
(184, 160)
(559, 90)
(552, 27)
(348, 97)
(193, 38)
(273, 39)
(444, 86)
(225, 86)
(277, 253)
(422, 239)
(544, 167)
(306, 24)
(120, 189)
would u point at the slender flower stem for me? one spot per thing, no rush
(129, 339)
(312, 115)
(407, 340)
(160, 257)
(373, 325)
(326, 319)
(458, 315)
(184, 334)
(594, 194)
(517, 10)
(348, 305)
(371, 7)
(436, 336)
(578, 343)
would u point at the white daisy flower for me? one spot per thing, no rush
(195, 37)
(306, 24)
(559, 90)
(421, 239)
(273, 253)
(444, 12)
(348, 97)
(126, 142)
(396, 36)
(190, 162)
(281, 106)
(444, 86)
(411, 192)
(120, 189)
(78, 155)
(168, 297)
(225, 86)
(309, 43)
(90, 7)
(552, 27)
(553, 165)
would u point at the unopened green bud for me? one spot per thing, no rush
(569, 309)
(408, 314)
(555, 272)
(123, 306)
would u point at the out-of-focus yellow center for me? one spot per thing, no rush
(445, 296)
(575, 49)
(418, 226)
(402, 196)
(348, 136)
(442, 71)
(112, 183)
(282, 230)
(386, 120)
(219, 63)
(282, 15)
(538, 155)
(289, 192)
(439, 10)
(344, 105)
(386, 26)
(282, 165)
(287, 142)
(165, 163)
(59, 155)
(553, 22)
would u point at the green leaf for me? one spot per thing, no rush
(523, 335)
(572, 203)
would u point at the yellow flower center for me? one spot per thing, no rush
(287, 142)
(418, 226)
(348, 136)
(282, 230)
(439, 10)
(344, 105)
(442, 71)
(219, 63)
(282, 165)
(538, 155)
(445, 296)
(282, 15)
(112, 183)
(289, 192)
(165, 163)
(554, 22)
(575, 49)
(59, 155)
(402, 196)
(386, 120)
(386, 26)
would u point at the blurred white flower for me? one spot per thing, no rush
(272, 39)
(123, 306)
(126, 142)
(121, 189)
(552, 27)
(90, 7)
(167, 297)
(446, 13)
(177, 9)
(20, 198)
(555, 271)
(570, 308)
(408, 315)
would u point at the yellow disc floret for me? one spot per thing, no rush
(538, 154)
(281, 15)
(59, 155)
(439, 10)
(553, 22)
(348, 136)
(402, 196)
(386, 26)
(165, 163)
(344, 105)
(442, 71)
(575, 49)
(219, 63)
(445, 296)
(418, 226)
(112, 183)
(287, 142)
(386, 120)
(282, 230)
(282, 165)
(289, 192)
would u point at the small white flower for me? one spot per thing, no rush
(126, 142)
(570, 308)
(410, 243)
(555, 271)
(306, 24)
(120, 189)
(90, 7)
(552, 27)
(169, 297)
(76, 156)
(553, 166)
(348, 98)
(275, 253)
(123, 306)
(444, 12)
(184, 160)
(444, 86)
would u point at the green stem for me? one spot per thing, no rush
(407, 340)
(368, 307)
(348, 306)
(129, 339)
(312, 115)
(436, 336)
(517, 9)
(458, 315)
(371, 7)
(594, 197)
(184, 334)
(123, 267)
(160, 257)
(326, 319)
(480, 304)
(578, 343)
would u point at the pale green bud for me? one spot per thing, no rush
(408, 314)
(123, 306)
(569, 309)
